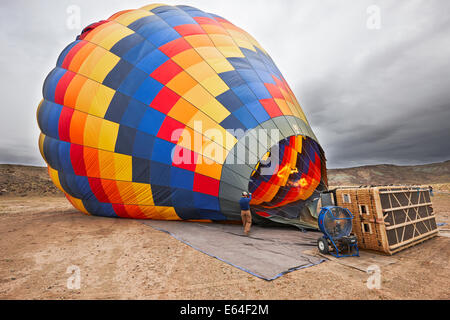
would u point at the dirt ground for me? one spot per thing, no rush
(41, 237)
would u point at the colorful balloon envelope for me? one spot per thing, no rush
(168, 112)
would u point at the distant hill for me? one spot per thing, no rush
(19, 180)
(434, 173)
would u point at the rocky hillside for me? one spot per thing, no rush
(18, 180)
(434, 173)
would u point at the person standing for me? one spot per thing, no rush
(246, 215)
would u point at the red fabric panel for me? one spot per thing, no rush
(168, 126)
(175, 47)
(189, 29)
(166, 72)
(72, 53)
(97, 189)
(64, 124)
(190, 156)
(61, 87)
(274, 91)
(206, 185)
(205, 20)
(165, 100)
(77, 159)
(271, 107)
(120, 210)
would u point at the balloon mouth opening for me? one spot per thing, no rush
(289, 175)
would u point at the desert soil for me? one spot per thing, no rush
(41, 237)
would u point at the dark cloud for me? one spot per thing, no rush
(371, 96)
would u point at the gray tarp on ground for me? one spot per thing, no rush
(267, 253)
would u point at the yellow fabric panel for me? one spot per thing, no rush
(213, 29)
(41, 145)
(152, 6)
(108, 135)
(283, 106)
(198, 96)
(115, 36)
(244, 44)
(182, 111)
(293, 109)
(199, 40)
(77, 203)
(231, 52)
(215, 110)
(215, 85)
(86, 95)
(298, 144)
(92, 131)
(123, 165)
(101, 32)
(143, 194)
(129, 17)
(91, 61)
(80, 57)
(181, 83)
(104, 66)
(220, 65)
(187, 58)
(101, 101)
(212, 151)
(168, 213)
(254, 42)
(209, 53)
(106, 164)
(127, 193)
(213, 170)
(240, 39)
(222, 40)
(201, 71)
(54, 175)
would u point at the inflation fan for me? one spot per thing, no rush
(336, 225)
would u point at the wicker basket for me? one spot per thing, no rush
(389, 218)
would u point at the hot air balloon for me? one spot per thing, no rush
(148, 115)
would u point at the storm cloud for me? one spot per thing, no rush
(371, 95)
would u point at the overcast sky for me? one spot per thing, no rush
(371, 95)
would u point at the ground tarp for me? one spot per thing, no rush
(267, 253)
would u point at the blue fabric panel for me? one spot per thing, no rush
(180, 178)
(132, 82)
(148, 90)
(260, 90)
(162, 196)
(164, 36)
(124, 45)
(134, 113)
(152, 61)
(117, 107)
(117, 74)
(244, 116)
(138, 52)
(143, 145)
(141, 170)
(206, 201)
(229, 100)
(53, 120)
(64, 53)
(258, 111)
(135, 26)
(99, 209)
(50, 83)
(125, 140)
(245, 94)
(232, 79)
(162, 152)
(64, 156)
(151, 121)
